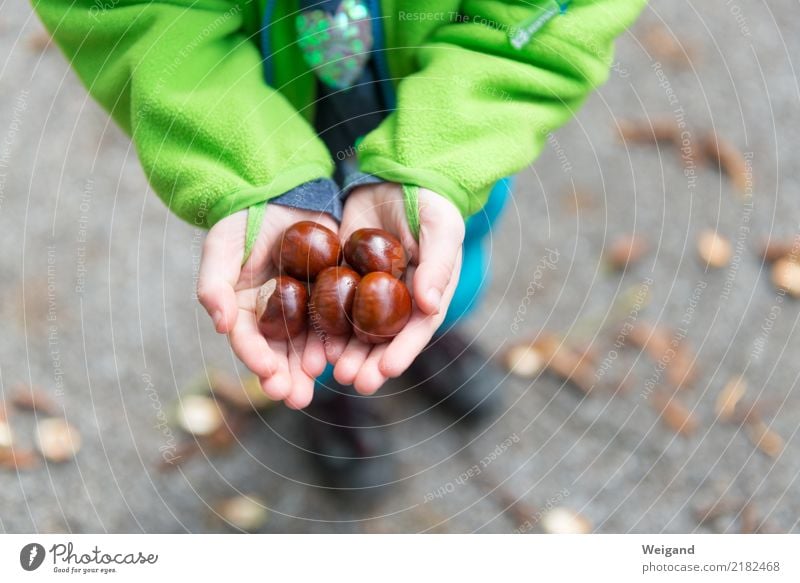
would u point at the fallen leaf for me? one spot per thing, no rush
(674, 414)
(764, 438)
(729, 398)
(18, 459)
(772, 250)
(626, 250)
(649, 131)
(748, 519)
(729, 159)
(34, 399)
(40, 41)
(565, 362)
(244, 395)
(662, 44)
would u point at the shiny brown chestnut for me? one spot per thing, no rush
(331, 306)
(369, 250)
(381, 308)
(281, 308)
(305, 249)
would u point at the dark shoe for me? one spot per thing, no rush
(349, 443)
(458, 378)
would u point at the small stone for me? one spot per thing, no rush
(786, 276)
(6, 436)
(58, 441)
(524, 361)
(246, 513)
(714, 249)
(565, 521)
(199, 415)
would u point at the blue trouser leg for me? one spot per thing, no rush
(475, 269)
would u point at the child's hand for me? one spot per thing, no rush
(432, 277)
(228, 291)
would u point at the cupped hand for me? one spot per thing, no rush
(228, 291)
(432, 276)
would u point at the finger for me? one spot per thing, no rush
(353, 357)
(441, 234)
(334, 348)
(406, 346)
(302, 384)
(370, 378)
(314, 360)
(251, 347)
(219, 270)
(278, 386)
(413, 338)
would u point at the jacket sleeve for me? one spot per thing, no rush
(185, 81)
(487, 94)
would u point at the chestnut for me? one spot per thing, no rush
(281, 308)
(381, 308)
(369, 250)
(332, 298)
(305, 249)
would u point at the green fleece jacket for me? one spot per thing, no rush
(476, 96)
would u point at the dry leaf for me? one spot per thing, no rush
(40, 41)
(34, 399)
(57, 440)
(245, 396)
(565, 362)
(729, 397)
(565, 521)
(674, 414)
(764, 438)
(770, 251)
(681, 370)
(579, 199)
(655, 340)
(649, 131)
(748, 519)
(18, 459)
(626, 250)
(729, 159)
(662, 44)
(709, 513)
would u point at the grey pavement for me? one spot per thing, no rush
(97, 303)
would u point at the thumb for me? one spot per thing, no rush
(219, 271)
(441, 234)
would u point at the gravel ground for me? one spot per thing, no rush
(97, 309)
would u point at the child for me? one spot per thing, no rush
(251, 115)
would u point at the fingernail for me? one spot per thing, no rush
(217, 318)
(435, 298)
